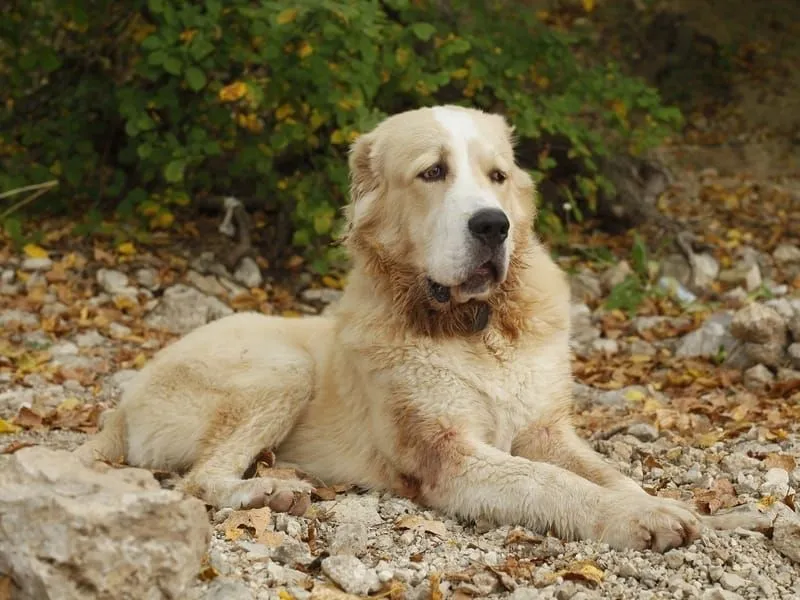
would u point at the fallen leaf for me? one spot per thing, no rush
(520, 536)
(29, 419)
(415, 522)
(253, 521)
(126, 249)
(721, 495)
(586, 571)
(5, 587)
(436, 592)
(14, 446)
(34, 251)
(780, 461)
(6, 427)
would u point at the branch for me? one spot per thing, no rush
(40, 189)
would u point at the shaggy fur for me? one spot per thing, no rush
(462, 404)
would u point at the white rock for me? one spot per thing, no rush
(89, 339)
(322, 295)
(720, 594)
(349, 538)
(643, 431)
(18, 316)
(113, 282)
(707, 341)
(183, 308)
(585, 287)
(759, 324)
(147, 278)
(794, 354)
(776, 483)
(225, 588)
(786, 534)
(351, 575)
(615, 275)
(786, 254)
(705, 270)
(118, 330)
(605, 346)
(37, 264)
(248, 273)
(357, 509)
(731, 581)
(69, 531)
(758, 377)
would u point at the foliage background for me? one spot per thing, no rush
(142, 107)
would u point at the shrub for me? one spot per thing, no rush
(142, 105)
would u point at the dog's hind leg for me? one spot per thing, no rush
(239, 431)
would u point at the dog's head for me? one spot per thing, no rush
(439, 204)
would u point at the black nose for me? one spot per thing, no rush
(490, 226)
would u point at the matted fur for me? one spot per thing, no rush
(463, 405)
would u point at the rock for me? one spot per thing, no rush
(639, 347)
(224, 588)
(585, 287)
(643, 431)
(615, 275)
(758, 377)
(758, 324)
(622, 396)
(37, 264)
(786, 255)
(7, 276)
(525, 593)
(183, 308)
(747, 271)
(64, 349)
(776, 483)
(677, 267)
(248, 273)
(118, 330)
(707, 341)
(357, 509)
(794, 355)
(69, 531)
(705, 270)
(114, 283)
(720, 594)
(786, 534)
(771, 354)
(321, 295)
(208, 284)
(349, 538)
(794, 327)
(782, 306)
(22, 317)
(605, 346)
(351, 575)
(731, 581)
(583, 331)
(90, 339)
(36, 340)
(148, 278)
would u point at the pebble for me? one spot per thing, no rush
(37, 264)
(351, 575)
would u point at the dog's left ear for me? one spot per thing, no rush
(364, 181)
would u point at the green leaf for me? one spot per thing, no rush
(195, 78)
(423, 31)
(639, 256)
(173, 172)
(172, 65)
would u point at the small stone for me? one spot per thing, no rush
(37, 264)
(248, 273)
(22, 317)
(605, 346)
(786, 254)
(36, 340)
(349, 538)
(615, 275)
(351, 575)
(118, 330)
(776, 483)
(705, 270)
(183, 308)
(641, 348)
(674, 559)
(321, 295)
(357, 509)
(585, 287)
(731, 581)
(64, 349)
(720, 594)
(208, 284)
(89, 339)
(148, 278)
(794, 354)
(643, 431)
(758, 377)
(771, 354)
(224, 588)
(113, 282)
(712, 337)
(759, 324)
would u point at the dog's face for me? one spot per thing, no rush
(438, 189)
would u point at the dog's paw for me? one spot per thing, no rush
(291, 496)
(647, 523)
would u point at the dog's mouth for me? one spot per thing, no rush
(475, 285)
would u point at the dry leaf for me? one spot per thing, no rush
(253, 521)
(14, 446)
(29, 419)
(780, 461)
(436, 592)
(721, 495)
(126, 248)
(585, 571)
(5, 587)
(520, 536)
(34, 251)
(6, 427)
(415, 522)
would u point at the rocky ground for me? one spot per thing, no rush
(687, 377)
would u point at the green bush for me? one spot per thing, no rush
(140, 105)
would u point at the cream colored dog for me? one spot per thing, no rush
(444, 374)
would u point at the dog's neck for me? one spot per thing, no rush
(407, 299)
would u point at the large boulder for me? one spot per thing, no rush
(68, 531)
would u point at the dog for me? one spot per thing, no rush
(442, 375)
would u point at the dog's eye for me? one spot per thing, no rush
(434, 173)
(498, 176)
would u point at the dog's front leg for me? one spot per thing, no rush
(486, 482)
(556, 442)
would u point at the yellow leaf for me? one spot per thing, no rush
(125, 302)
(163, 220)
(332, 282)
(337, 137)
(588, 5)
(139, 360)
(284, 595)
(126, 248)
(305, 49)
(6, 427)
(291, 313)
(68, 404)
(415, 522)
(34, 251)
(284, 111)
(459, 74)
(233, 92)
(255, 521)
(287, 16)
(634, 395)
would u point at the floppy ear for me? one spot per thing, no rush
(364, 179)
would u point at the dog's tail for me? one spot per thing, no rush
(108, 445)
